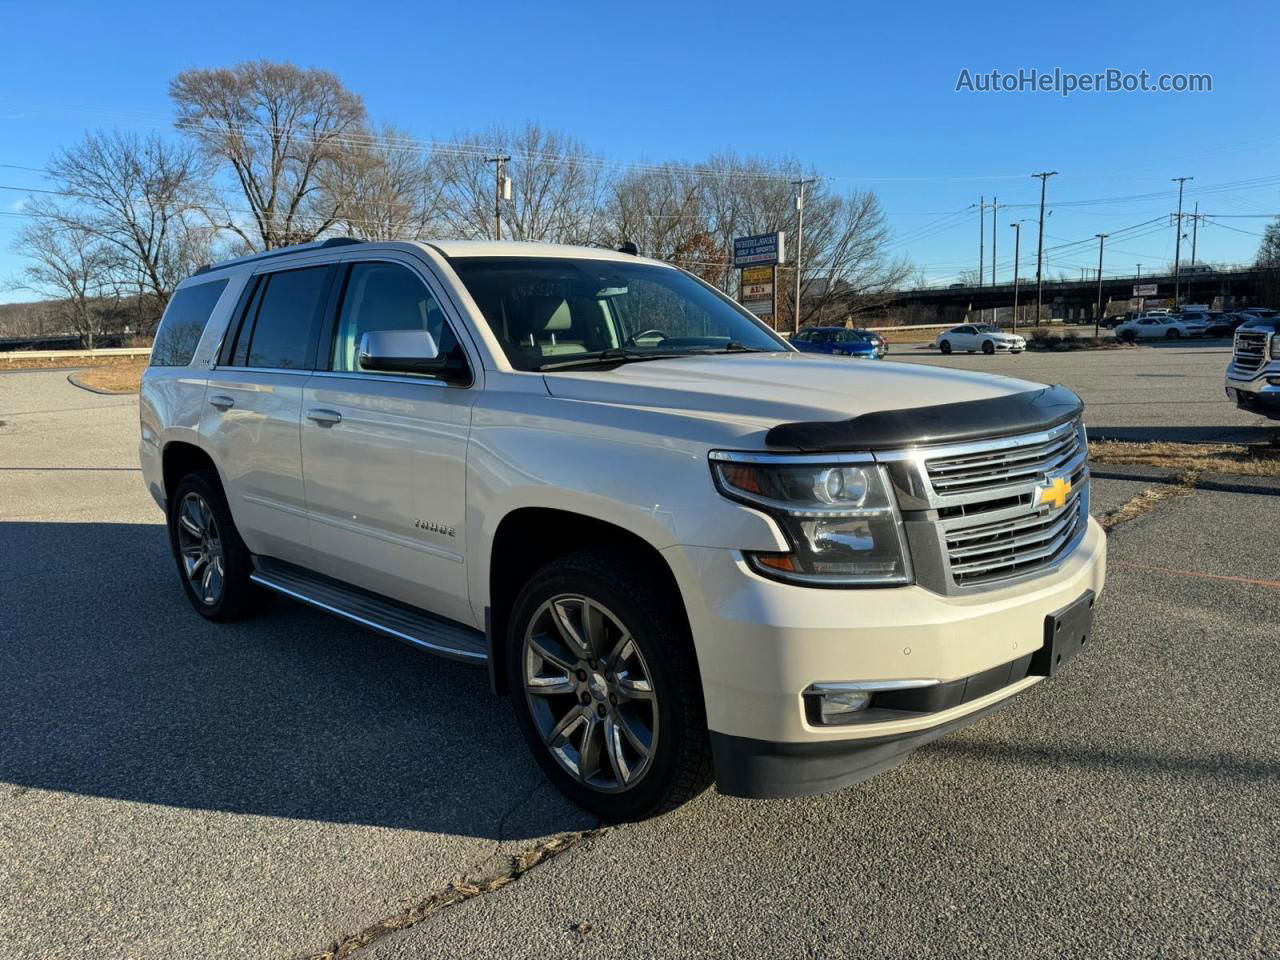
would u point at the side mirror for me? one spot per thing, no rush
(400, 351)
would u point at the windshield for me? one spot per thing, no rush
(557, 311)
(985, 328)
(848, 336)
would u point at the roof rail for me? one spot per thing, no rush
(279, 252)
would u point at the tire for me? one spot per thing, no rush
(1128, 336)
(569, 737)
(200, 526)
(1173, 334)
(988, 347)
(945, 346)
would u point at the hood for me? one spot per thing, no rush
(765, 389)
(1004, 336)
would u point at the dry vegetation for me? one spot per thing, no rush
(1257, 460)
(120, 377)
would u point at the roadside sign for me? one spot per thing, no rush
(757, 290)
(762, 250)
(1145, 289)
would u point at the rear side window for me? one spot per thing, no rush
(281, 322)
(183, 324)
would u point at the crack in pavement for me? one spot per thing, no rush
(1146, 501)
(458, 891)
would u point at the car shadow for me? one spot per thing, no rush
(111, 686)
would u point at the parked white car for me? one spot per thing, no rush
(972, 337)
(1160, 327)
(682, 548)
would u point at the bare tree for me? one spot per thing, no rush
(278, 127)
(557, 186)
(74, 266)
(1269, 248)
(140, 198)
(387, 187)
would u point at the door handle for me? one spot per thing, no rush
(326, 418)
(222, 401)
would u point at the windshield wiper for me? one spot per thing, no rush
(626, 355)
(613, 355)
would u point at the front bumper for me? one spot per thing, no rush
(761, 644)
(1257, 395)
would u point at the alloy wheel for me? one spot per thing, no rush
(590, 693)
(200, 547)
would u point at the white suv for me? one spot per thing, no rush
(683, 549)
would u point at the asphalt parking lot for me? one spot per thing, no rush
(1163, 391)
(175, 789)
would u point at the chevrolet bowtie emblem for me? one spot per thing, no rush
(1053, 493)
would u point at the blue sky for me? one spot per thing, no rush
(864, 92)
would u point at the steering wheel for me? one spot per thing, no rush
(631, 340)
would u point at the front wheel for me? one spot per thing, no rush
(1173, 334)
(1128, 336)
(945, 346)
(606, 689)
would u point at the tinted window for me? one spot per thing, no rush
(287, 307)
(184, 324)
(386, 296)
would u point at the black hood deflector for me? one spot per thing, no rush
(944, 423)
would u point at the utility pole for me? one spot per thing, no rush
(1141, 300)
(1044, 179)
(1177, 246)
(1097, 317)
(799, 185)
(982, 239)
(501, 189)
(1195, 229)
(1017, 244)
(995, 311)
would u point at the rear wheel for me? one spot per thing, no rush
(1173, 334)
(988, 347)
(945, 346)
(213, 563)
(605, 688)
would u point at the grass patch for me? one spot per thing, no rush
(121, 377)
(1256, 460)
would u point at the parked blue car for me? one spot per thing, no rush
(837, 340)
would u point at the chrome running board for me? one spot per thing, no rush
(438, 635)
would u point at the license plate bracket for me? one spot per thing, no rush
(1066, 632)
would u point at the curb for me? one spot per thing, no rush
(72, 379)
(1215, 482)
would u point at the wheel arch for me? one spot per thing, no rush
(529, 538)
(180, 458)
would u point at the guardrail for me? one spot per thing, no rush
(12, 356)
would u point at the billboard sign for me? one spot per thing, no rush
(1145, 289)
(761, 250)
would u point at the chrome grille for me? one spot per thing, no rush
(1018, 462)
(973, 513)
(1008, 548)
(1251, 350)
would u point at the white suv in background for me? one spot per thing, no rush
(683, 549)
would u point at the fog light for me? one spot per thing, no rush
(839, 706)
(1274, 381)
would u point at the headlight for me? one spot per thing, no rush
(838, 515)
